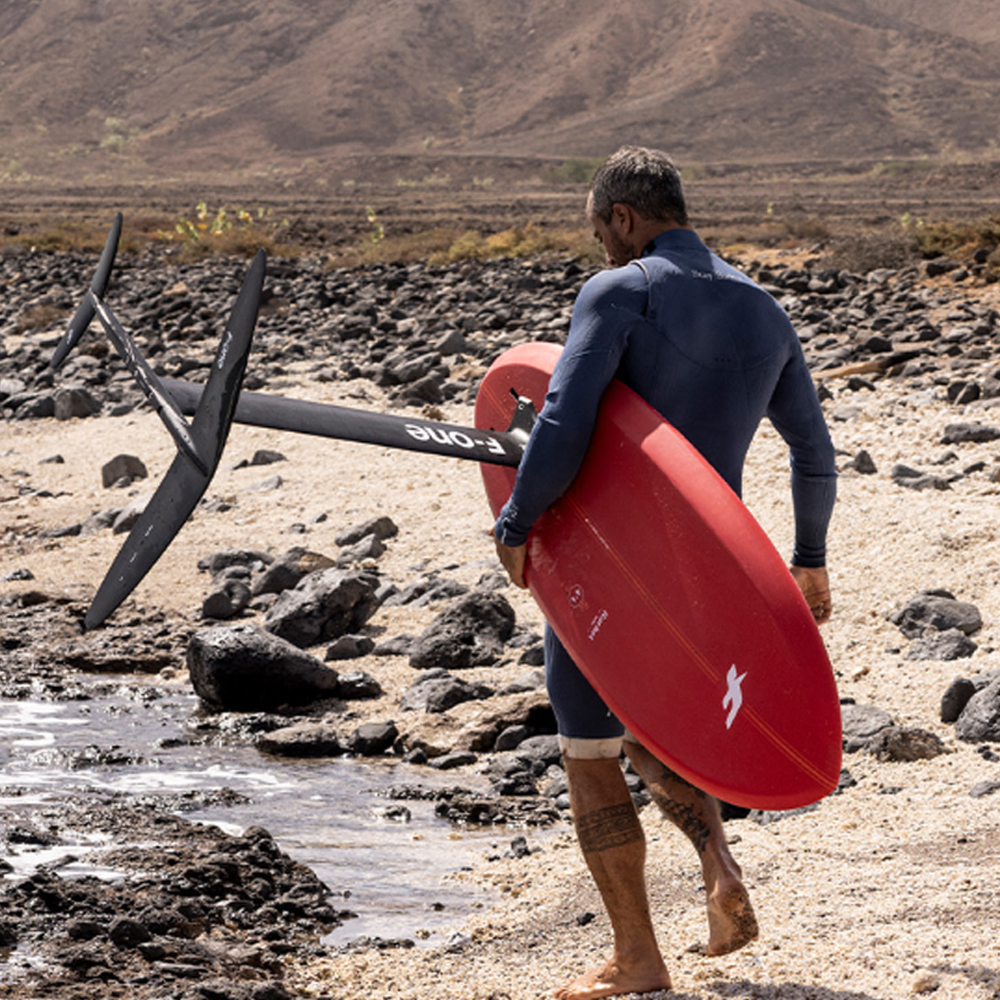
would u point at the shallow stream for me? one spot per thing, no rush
(329, 814)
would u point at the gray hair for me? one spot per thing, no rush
(646, 180)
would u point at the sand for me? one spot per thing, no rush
(887, 890)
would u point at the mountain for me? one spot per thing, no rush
(92, 91)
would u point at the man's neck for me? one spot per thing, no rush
(647, 234)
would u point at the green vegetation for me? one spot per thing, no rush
(10, 168)
(239, 232)
(897, 168)
(378, 230)
(576, 170)
(116, 135)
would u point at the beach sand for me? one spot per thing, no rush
(887, 890)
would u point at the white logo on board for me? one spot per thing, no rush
(596, 622)
(734, 695)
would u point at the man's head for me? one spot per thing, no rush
(635, 195)
(645, 179)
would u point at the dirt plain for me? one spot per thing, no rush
(791, 204)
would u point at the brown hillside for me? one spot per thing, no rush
(95, 91)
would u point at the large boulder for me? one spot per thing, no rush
(243, 668)
(937, 609)
(324, 606)
(980, 719)
(470, 633)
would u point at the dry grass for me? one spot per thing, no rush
(405, 238)
(961, 240)
(82, 235)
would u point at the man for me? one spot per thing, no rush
(714, 353)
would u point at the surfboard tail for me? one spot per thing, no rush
(192, 469)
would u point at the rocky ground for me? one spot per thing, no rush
(885, 889)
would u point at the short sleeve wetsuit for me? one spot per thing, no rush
(714, 353)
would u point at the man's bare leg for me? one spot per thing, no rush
(614, 848)
(731, 920)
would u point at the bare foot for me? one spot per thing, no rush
(612, 981)
(731, 921)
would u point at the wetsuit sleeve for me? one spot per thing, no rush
(798, 417)
(608, 307)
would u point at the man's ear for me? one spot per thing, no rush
(624, 216)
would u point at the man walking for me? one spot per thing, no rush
(713, 353)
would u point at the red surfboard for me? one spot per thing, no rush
(674, 603)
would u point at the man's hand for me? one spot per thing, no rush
(814, 583)
(513, 558)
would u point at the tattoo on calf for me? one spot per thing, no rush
(687, 821)
(685, 817)
(614, 826)
(670, 776)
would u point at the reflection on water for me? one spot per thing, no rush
(329, 814)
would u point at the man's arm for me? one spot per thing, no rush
(605, 311)
(796, 413)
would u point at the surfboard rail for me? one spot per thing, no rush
(674, 603)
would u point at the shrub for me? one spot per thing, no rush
(958, 240)
(530, 240)
(63, 236)
(897, 168)
(860, 253)
(576, 170)
(240, 232)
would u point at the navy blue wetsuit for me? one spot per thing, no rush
(714, 353)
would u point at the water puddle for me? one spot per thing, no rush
(392, 863)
